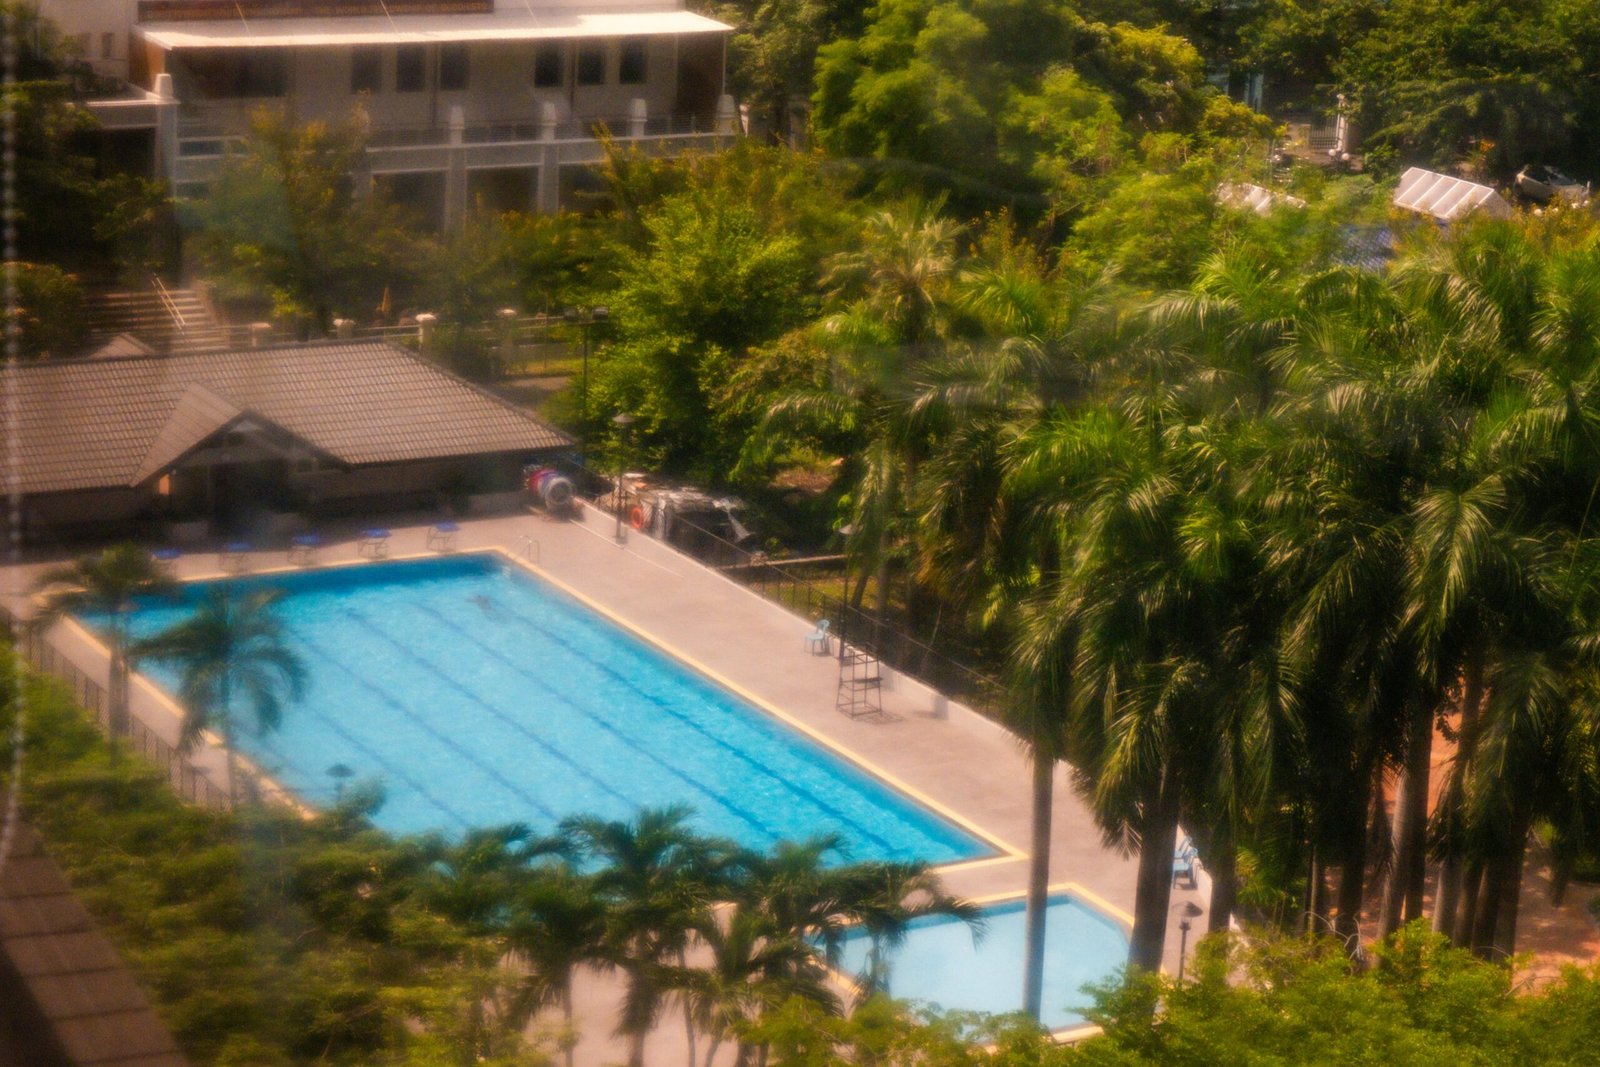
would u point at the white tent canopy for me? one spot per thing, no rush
(1447, 198)
(531, 25)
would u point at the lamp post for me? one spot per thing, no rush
(622, 422)
(1187, 913)
(585, 321)
(340, 774)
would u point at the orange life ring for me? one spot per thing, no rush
(636, 517)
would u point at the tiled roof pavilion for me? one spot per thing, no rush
(115, 423)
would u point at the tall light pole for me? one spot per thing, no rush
(585, 322)
(622, 422)
(1188, 911)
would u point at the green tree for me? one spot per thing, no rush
(106, 585)
(284, 220)
(714, 280)
(557, 924)
(232, 646)
(659, 880)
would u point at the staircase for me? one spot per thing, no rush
(170, 321)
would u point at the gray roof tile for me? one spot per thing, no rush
(104, 423)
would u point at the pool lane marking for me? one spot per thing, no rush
(471, 760)
(516, 727)
(810, 731)
(634, 750)
(1011, 852)
(380, 761)
(662, 706)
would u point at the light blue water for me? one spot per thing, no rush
(938, 962)
(480, 696)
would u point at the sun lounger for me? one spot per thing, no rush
(374, 543)
(235, 556)
(442, 535)
(303, 548)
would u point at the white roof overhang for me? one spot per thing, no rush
(424, 29)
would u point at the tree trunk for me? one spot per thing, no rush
(1403, 900)
(1044, 770)
(1505, 930)
(688, 1013)
(859, 592)
(1353, 871)
(1316, 893)
(1223, 867)
(569, 1040)
(1446, 900)
(1489, 898)
(1467, 909)
(1153, 896)
(117, 695)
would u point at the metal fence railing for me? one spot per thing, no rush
(186, 780)
(853, 628)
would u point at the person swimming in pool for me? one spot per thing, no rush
(490, 608)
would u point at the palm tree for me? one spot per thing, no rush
(557, 924)
(884, 899)
(107, 584)
(232, 645)
(659, 880)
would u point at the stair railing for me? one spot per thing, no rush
(168, 303)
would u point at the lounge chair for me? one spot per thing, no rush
(1184, 858)
(817, 640)
(442, 535)
(374, 543)
(303, 548)
(166, 560)
(235, 556)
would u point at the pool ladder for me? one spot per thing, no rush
(530, 548)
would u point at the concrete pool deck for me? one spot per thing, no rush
(940, 752)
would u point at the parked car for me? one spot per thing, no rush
(1543, 184)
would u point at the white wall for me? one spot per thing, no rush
(92, 20)
(499, 89)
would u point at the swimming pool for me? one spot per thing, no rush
(481, 695)
(939, 964)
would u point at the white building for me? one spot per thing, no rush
(493, 101)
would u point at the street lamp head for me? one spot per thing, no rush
(622, 421)
(570, 314)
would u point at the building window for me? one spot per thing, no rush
(591, 64)
(108, 46)
(410, 68)
(547, 64)
(366, 70)
(452, 67)
(225, 74)
(631, 70)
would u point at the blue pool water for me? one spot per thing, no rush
(939, 964)
(479, 695)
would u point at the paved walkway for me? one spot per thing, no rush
(950, 757)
